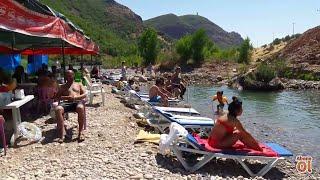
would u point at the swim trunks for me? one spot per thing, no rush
(155, 99)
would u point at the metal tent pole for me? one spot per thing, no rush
(63, 60)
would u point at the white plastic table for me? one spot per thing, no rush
(16, 116)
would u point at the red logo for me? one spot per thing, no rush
(304, 164)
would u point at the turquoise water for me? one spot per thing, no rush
(290, 118)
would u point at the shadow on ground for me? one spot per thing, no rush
(216, 167)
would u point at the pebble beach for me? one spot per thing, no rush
(110, 152)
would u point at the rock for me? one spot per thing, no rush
(148, 176)
(138, 176)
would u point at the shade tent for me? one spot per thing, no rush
(29, 27)
(35, 63)
(9, 62)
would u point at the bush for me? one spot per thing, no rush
(276, 41)
(184, 49)
(265, 73)
(199, 41)
(245, 52)
(148, 46)
(281, 67)
(243, 68)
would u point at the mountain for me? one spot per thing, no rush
(175, 27)
(113, 26)
(304, 52)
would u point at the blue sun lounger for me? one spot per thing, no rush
(191, 145)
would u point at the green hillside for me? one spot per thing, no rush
(177, 26)
(113, 26)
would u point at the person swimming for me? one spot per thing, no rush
(228, 129)
(222, 100)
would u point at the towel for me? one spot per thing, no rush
(238, 148)
(144, 136)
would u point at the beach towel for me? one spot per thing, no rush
(144, 136)
(237, 149)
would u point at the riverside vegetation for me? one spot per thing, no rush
(123, 36)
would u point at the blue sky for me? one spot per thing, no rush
(260, 20)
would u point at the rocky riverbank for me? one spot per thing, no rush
(109, 152)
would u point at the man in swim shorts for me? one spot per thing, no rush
(222, 100)
(157, 95)
(70, 95)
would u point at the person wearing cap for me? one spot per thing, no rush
(222, 100)
(124, 70)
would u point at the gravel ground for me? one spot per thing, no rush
(109, 152)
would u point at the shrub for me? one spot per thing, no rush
(265, 72)
(276, 41)
(243, 68)
(184, 49)
(199, 41)
(245, 52)
(148, 46)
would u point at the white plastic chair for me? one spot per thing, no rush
(95, 89)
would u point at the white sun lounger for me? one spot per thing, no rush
(164, 120)
(135, 98)
(190, 144)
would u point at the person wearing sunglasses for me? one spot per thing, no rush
(228, 129)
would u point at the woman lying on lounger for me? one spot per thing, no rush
(228, 129)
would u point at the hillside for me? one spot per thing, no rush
(110, 24)
(304, 52)
(177, 26)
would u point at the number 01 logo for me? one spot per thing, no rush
(304, 164)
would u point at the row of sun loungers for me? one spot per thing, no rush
(162, 118)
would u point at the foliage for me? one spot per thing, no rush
(91, 16)
(231, 54)
(245, 52)
(265, 72)
(184, 49)
(276, 41)
(115, 62)
(243, 68)
(199, 41)
(148, 46)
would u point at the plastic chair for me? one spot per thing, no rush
(3, 136)
(95, 89)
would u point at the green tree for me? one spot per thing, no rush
(199, 42)
(148, 46)
(184, 49)
(245, 51)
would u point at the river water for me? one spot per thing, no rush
(290, 118)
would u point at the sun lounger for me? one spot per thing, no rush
(135, 98)
(272, 153)
(164, 119)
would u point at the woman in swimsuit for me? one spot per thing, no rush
(228, 129)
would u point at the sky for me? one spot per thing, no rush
(260, 20)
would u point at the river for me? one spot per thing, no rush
(290, 118)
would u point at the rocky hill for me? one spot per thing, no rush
(175, 27)
(107, 22)
(304, 52)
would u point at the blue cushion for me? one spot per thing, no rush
(279, 149)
